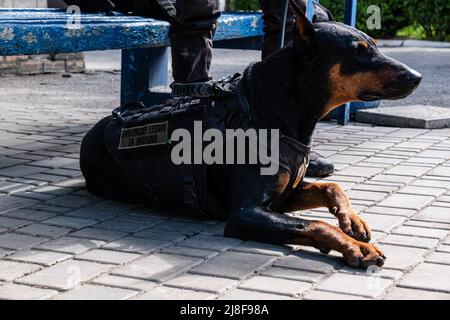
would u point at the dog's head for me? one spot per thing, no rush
(355, 68)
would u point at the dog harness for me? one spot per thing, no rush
(138, 138)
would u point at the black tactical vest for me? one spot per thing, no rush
(138, 139)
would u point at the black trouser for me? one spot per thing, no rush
(191, 35)
(191, 39)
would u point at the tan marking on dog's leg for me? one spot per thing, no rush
(355, 253)
(332, 196)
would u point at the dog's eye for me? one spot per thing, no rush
(361, 46)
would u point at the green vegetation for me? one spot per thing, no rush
(419, 19)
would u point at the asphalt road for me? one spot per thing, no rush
(100, 87)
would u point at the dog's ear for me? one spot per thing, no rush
(304, 28)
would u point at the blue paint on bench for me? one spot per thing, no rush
(39, 31)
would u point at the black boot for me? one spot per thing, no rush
(319, 166)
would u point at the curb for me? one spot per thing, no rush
(412, 43)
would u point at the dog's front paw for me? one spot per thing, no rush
(354, 226)
(363, 255)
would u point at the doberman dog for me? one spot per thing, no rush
(326, 65)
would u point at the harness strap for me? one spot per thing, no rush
(208, 89)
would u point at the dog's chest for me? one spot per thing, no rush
(293, 162)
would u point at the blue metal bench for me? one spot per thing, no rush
(143, 41)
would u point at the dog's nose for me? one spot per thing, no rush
(413, 77)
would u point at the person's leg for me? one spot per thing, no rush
(273, 17)
(191, 39)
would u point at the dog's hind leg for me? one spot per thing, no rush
(332, 196)
(261, 224)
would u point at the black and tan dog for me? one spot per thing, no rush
(327, 65)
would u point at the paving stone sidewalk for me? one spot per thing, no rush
(57, 241)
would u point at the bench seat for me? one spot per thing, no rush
(44, 31)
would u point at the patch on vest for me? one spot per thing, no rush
(144, 136)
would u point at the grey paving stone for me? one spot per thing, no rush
(136, 245)
(21, 171)
(239, 294)
(366, 195)
(46, 258)
(65, 275)
(124, 282)
(70, 222)
(70, 245)
(122, 226)
(15, 241)
(409, 170)
(374, 187)
(48, 208)
(233, 265)
(413, 116)
(326, 295)
(421, 190)
(307, 261)
(430, 183)
(157, 267)
(381, 222)
(55, 162)
(12, 291)
(70, 201)
(398, 293)
(428, 224)
(441, 171)
(421, 232)
(428, 276)
(186, 228)
(169, 293)
(402, 258)
(33, 215)
(10, 203)
(278, 286)
(208, 242)
(108, 256)
(201, 283)
(43, 230)
(373, 271)
(391, 211)
(262, 248)
(359, 171)
(98, 234)
(11, 223)
(396, 179)
(190, 252)
(338, 158)
(11, 270)
(96, 292)
(406, 201)
(435, 214)
(439, 257)
(4, 253)
(441, 248)
(293, 274)
(366, 286)
(100, 211)
(416, 242)
(430, 153)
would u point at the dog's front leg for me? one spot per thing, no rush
(332, 196)
(261, 224)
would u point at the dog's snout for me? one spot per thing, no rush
(412, 77)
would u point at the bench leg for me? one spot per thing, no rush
(142, 71)
(343, 114)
